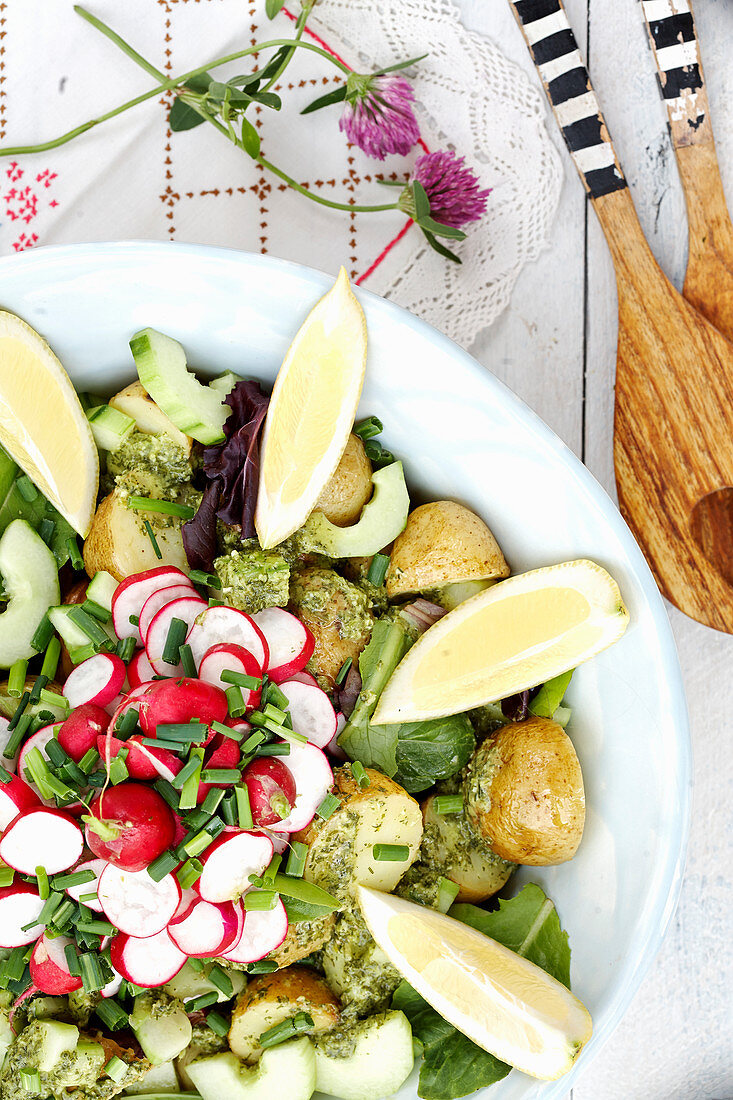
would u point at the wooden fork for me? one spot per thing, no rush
(673, 429)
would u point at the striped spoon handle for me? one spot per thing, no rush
(671, 27)
(555, 52)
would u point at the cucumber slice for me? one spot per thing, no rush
(54, 1040)
(382, 1060)
(162, 1038)
(31, 581)
(225, 383)
(160, 1079)
(102, 588)
(110, 427)
(161, 366)
(380, 522)
(70, 633)
(286, 1070)
(188, 984)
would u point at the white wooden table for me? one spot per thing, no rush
(555, 346)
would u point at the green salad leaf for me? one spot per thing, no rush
(550, 696)
(15, 488)
(433, 750)
(453, 1066)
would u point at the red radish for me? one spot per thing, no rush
(279, 842)
(136, 903)
(290, 642)
(333, 746)
(112, 706)
(97, 680)
(158, 600)
(142, 761)
(79, 733)
(238, 724)
(206, 929)
(181, 830)
(77, 892)
(49, 968)
(182, 700)
(20, 905)
(271, 790)
(42, 838)
(227, 657)
(8, 762)
(187, 608)
(304, 677)
(15, 797)
(147, 962)
(189, 898)
(313, 780)
(262, 933)
(140, 671)
(229, 862)
(136, 823)
(132, 593)
(226, 624)
(311, 712)
(224, 754)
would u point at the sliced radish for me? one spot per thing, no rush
(97, 680)
(229, 862)
(8, 762)
(187, 608)
(140, 671)
(91, 887)
(114, 704)
(142, 761)
(132, 593)
(180, 830)
(135, 903)
(15, 797)
(136, 823)
(262, 933)
(112, 988)
(147, 962)
(189, 898)
(311, 712)
(180, 700)
(49, 968)
(42, 838)
(304, 677)
(271, 789)
(225, 753)
(226, 624)
(333, 746)
(279, 842)
(20, 905)
(313, 777)
(159, 599)
(206, 929)
(227, 657)
(289, 641)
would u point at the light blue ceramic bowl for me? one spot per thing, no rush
(461, 434)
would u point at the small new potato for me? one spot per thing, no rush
(272, 998)
(443, 543)
(337, 614)
(349, 487)
(524, 793)
(451, 844)
(135, 401)
(118, 542)
(303, 938)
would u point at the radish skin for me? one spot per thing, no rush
(158, 600)
(42, 838)
(311, 712)
(186, 608)
(226, 624)
(313, 780)
(206, 930)
(289, 641)
(263, 932)
(132, 592)
(15, 797)
(49, 968)
(97, 680)
(148, 962)
(92, 887)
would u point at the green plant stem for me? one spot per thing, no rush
(119, 42)
(299, 28)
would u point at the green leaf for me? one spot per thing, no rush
(422, 202)
(276, 63)
(273, 7)
(440, 230)
(268, 99)
(336, 96)
(14, 506)
(453, 1066)
(182, 116)
(400, 65)
(433, 750)
(440, 248)
(250, 139)
(199, 83)
(550, 695)
(393, 183)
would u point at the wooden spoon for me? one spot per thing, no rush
(673, 431)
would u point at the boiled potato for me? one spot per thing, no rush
(357, 969)
(119, 543)
(442, 543)
(450, 844)
(272, 998)
(524, 793)
(340, 848)
(9, 703)
(303, 938)
(337, 614)
(134, 401)
(349, 487)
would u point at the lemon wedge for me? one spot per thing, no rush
(513, 636)
(42, 424)
(501, 1001)
(311, 412)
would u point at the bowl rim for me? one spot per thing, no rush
(646, 947)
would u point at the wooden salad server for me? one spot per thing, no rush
(673, 428)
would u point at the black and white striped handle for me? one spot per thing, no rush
(555, 52)
(671, 26)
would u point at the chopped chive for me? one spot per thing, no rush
(214, 827)
(253, 741)
(97, 779)
(56, 754)
(7, 874)
(220, 775)
(198, 818)
(378, 569)
(83, 653)
(38, 688)
(91, 973)
(273, 750)
(30, 1080)
(263, 966)
(368, 428)
(296, 859)
(343, 672)
(76, 878)
(275, 713)
(98, 927)
(116, 1069)
(228, 811)
(101, 614)
(221, 980)
(43, 634)
(359, 773)
(235, 700)
(190, 787)
(50, 907)
(302, 1022)
(181, 731)
(239, 679)
(448, 804)
(153, 541)
(186, 656)
(204, 1000)
(286, 1029)
(163, 866)
(165, 507)
(53, 699)
(134, 620)
(167, 792)
(180, 747)
(112, 1014)
(177, 632)
(87, 624)
(197, 965)
(126, 723)
(89, 761)
(16, 678)
(244, 810)
(19, 733)
(208, 580)
(88, 898)
(44, 891)
(447, 894)
(18, 713)
(390, 853)
(63, 914)
(197, 844)
(125, 649)
(5, 775)
(117, 768)
(328, 807)
(218, 1024)
(275, 696)
(190, 768)
(26, 488)
(271, 870)
(72, 549)
(211, 803)
(260, 901)
(189, 873)
(72, 960)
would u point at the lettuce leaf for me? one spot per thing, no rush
(453, 1066)
(433, 750)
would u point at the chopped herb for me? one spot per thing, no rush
(390, 853)
(112, 1014)
(189, 665)
(16, 678)
(378, 569)
(177, 632)
(220, 775)
(368, 428)
(218, 1024)
(221, 980)
(163, 865)
(44, 891)
(241, 680)
(125, 649)
(343, 672)
(153, 540)
(165, 507)
(296, 859)
(328, 807)
(189, 873)
(116, 1069)
(72, 549)
(44, 632)
(359, 773)
(448, 804)
(208, 580)
(101, 614)
(204, 1000)
(244, 810)
(88, 625)
(235, 700)
(286, 1029)
(260, 901)
(76, 878)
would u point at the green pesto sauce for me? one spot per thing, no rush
(253, 579)
(357, 969)
(81, 1006)
(332, 601)
(331, 859)
(207, 1041)
(158, 455)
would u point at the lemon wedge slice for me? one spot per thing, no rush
(513, 636)
(501, 1001)
(42, 424)
(311, 412)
